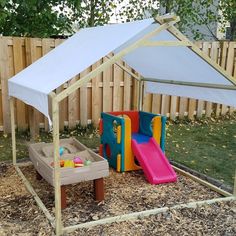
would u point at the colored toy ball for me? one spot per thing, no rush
(77, 160)
(69, 163)
(61, 151)
(87, 163)
(61, 163)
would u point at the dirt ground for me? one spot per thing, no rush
(125, 193)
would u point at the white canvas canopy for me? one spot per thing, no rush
(154, 60)
(33, 84)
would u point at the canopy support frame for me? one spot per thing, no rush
(125, 69)
(57, 169)
(112, 60)
(13, 131)
(57, 98)
(192, 84)
(166, 43)
(174, 31)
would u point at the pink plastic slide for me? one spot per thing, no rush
(153, 161)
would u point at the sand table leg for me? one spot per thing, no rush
(99, 189)
(63, 197)
(38, 176)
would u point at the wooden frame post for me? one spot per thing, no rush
(57, 171)
(13, 132)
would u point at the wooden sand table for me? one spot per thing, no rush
(41, 154)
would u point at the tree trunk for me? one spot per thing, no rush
(92, 13)
(232, 30)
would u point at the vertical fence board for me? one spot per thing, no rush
(73, 105)
(225, 55)
(156, 103)
(18, 66)
(148, 102)
(183, 104)
(30, 48)
(165, 104)
(200, 103)
(96, 106)
(173, 107)
(230, 66)
(84, 100)
(117, 77)
(63, 106)
(46, 47)
(192, 108)
(214, 57)
(107, 96)
(127, 90)
(4, 74)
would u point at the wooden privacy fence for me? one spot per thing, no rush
(112, 90)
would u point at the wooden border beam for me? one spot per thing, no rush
(166, 43)
(24, 164)
(35, 196)
(111, 61)
(141, 214)
(192, 84)
(202, 182)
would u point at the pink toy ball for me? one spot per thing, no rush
(77, 160)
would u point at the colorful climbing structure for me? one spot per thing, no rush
(118, 129)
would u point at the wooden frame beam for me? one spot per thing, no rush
(166, 43)
(167, 18)
(125, 69)
(174, 31)
(193, 84)
(13, 131)
(111, 61)
(57, 169)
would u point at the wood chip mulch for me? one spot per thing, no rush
(125, 193)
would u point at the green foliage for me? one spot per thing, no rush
(198, 12)
(228, 9)
(44, 18)
(93, 12)
(134, 9)
(33, 18)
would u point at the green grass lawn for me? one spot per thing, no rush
(208, 146)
